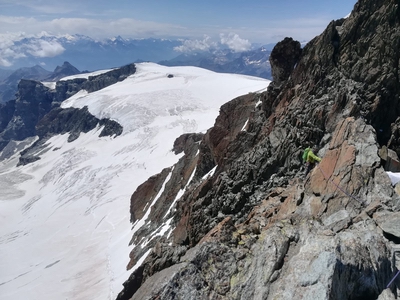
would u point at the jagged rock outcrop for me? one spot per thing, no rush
(74, 121)
(256, 227)
(33, 102)
(185, 141)
(71, 120)
(36, 111)
(283, 58)
(231, 122)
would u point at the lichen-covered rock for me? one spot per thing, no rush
(388, 222)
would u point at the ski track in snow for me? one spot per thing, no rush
(64, 219)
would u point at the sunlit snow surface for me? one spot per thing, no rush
(64, 220)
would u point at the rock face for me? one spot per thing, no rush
(6, 113)
(36, 110)
(250, 225)
(34, 101)
(283, 58)
(70, 120)
(9, 86)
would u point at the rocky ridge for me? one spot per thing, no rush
(36, 111)
(250, 225)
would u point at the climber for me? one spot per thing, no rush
(310, 158)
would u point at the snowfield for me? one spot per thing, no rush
(64, 219)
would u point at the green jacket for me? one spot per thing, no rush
(312, 158)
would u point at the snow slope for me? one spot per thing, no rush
(64, 219)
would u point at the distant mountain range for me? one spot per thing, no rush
(253, 62)
(86, 53)
(80, 52)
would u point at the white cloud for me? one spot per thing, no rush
(42, 48)
(18, 24)
(4, 62)
(11, 53)
(11, 47)
(195, 45)
(231, 40)
(7, 51)
(234, 42)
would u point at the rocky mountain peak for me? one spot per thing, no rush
(250, 224)
(63, 71)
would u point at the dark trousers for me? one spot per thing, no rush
(309, 167)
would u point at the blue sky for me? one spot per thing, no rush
(255, 21)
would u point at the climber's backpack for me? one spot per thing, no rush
(305, 154)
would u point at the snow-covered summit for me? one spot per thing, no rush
(152, 98)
